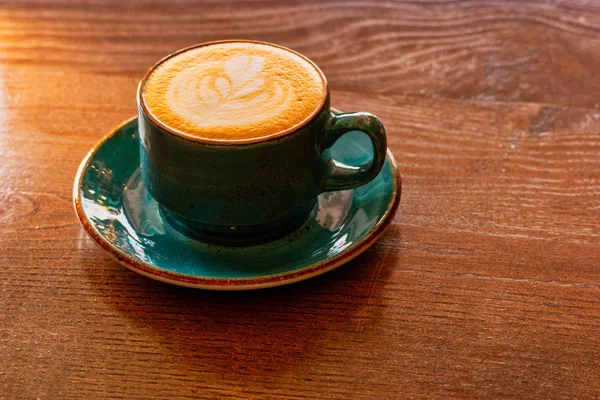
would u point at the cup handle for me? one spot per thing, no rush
(340, 176)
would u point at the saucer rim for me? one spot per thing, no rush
(231, 284)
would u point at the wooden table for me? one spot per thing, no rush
(487, 284)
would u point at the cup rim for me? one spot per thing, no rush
(148, 114)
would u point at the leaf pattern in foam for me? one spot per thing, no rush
(249, 88)
(223, 86)
(206, 93)
(241, 70)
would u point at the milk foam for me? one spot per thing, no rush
(234, 90)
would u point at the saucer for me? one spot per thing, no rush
(119, 214)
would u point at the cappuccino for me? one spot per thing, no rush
(234, 92)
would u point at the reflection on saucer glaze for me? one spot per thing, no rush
(119, 214)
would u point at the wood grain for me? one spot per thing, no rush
(487, 285)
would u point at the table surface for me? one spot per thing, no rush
(486, 285)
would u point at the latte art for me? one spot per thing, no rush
(234, 90)
(240, 87)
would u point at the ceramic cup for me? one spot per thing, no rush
(247, 193)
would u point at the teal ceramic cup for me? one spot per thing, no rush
(247, 193)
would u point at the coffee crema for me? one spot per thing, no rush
(234, 91)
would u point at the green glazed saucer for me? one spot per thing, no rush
(119, 214)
